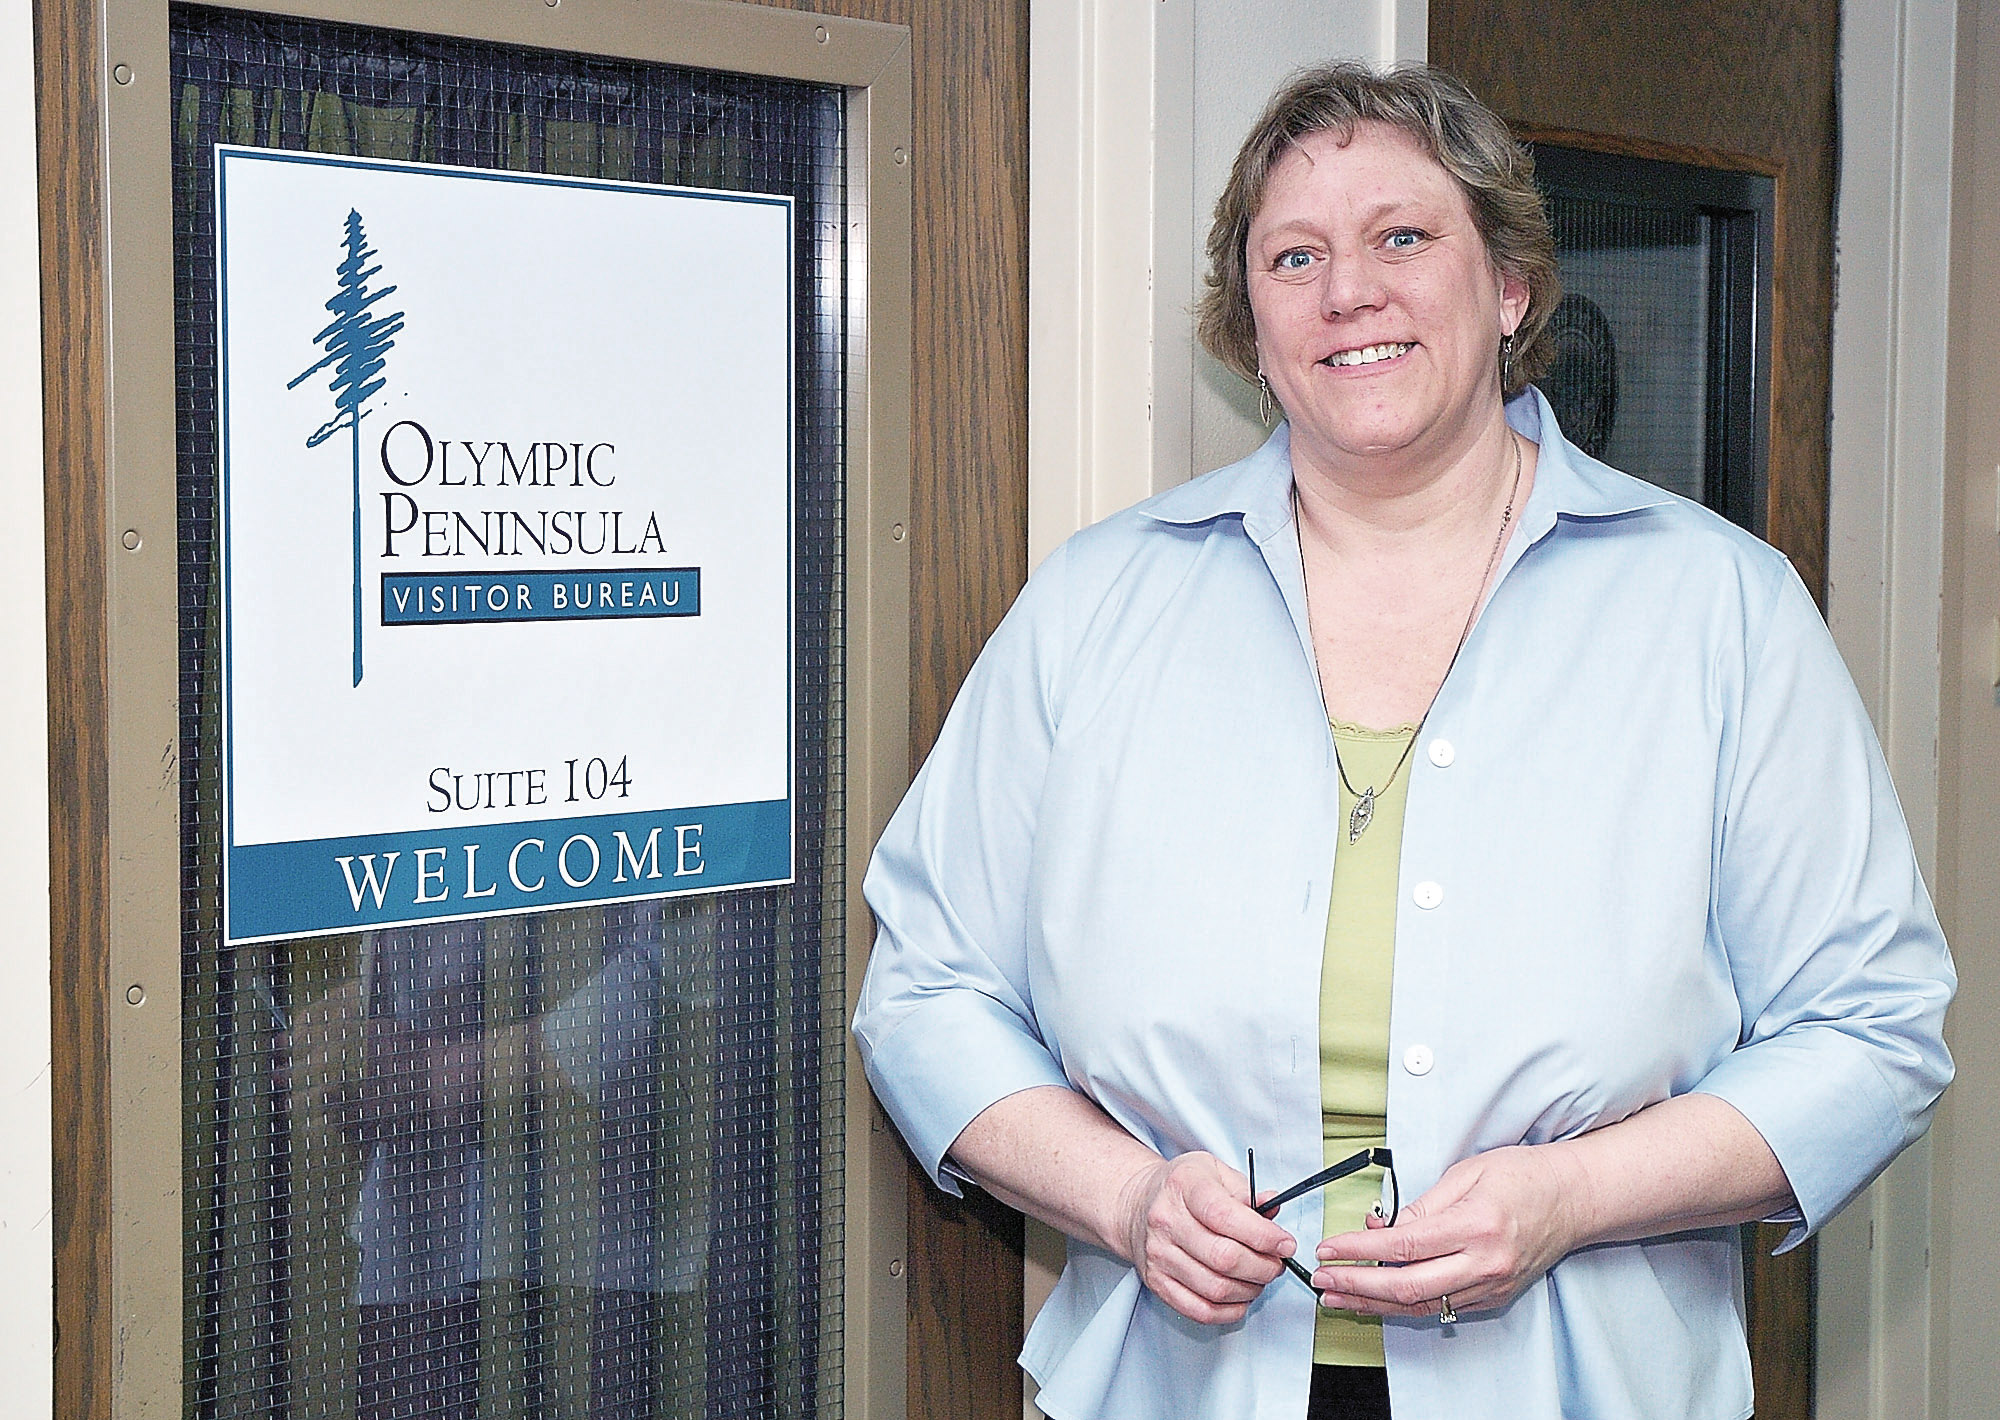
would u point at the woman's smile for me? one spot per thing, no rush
(1369, 354)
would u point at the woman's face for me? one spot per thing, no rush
(1378, 312)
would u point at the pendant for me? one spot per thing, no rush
(1361, 815)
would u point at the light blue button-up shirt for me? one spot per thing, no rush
(1662, 854)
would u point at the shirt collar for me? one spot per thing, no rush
(1258, 489)
(1568, 482)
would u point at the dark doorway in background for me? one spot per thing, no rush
(1663, 336)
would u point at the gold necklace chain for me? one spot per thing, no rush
(1363, 812)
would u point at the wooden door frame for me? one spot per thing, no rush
(1887, 1263)
(112, 580)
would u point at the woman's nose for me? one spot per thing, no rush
(1350, 282)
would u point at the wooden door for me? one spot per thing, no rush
(969, 522)
(968, 532)
(1749, 87)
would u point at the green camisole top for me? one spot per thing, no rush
(1354, 1010)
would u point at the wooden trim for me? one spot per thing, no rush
(965, 1305)
(1779, 527)
(74, 337)
(1779, 1324)
(969, 522)
(1692, 154)
(725, 35)
(878, 697)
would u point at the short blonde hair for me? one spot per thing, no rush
(1461, 134)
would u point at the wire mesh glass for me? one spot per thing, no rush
(1663, 335)
(582, 1163)
(1630, 380)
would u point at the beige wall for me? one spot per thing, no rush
(1966, 1199)
(25, 1310)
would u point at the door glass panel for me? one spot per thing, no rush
(581, 1163)
(1663, 341)
(1632, 338)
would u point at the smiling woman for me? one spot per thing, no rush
(1377, 308)
(1544, 855)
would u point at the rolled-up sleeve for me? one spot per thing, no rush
(1839, 965)
(945, 1021)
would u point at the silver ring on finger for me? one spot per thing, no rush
(1446, 1315)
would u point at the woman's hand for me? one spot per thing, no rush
(1497, 1221)
(1488, 1229)
(1196, 1242)
(1184, 1223)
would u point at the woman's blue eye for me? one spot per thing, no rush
(1295, 260)
(1406, 238)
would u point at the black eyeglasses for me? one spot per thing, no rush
(1386, 1208)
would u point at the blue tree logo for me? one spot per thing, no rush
(355, 341)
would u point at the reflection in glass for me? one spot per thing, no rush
(481, 1134)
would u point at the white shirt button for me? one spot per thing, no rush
(1442, 754)
(1427, 895)
(1417, 1060)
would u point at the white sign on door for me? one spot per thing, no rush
(507, 541)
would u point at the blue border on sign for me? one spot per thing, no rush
(266, 892)
(278, 890)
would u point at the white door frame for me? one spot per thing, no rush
(1885, 576)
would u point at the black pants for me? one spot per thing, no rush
(1349, 1393)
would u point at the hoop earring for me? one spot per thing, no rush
(1263, 398)
(1506, 361)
